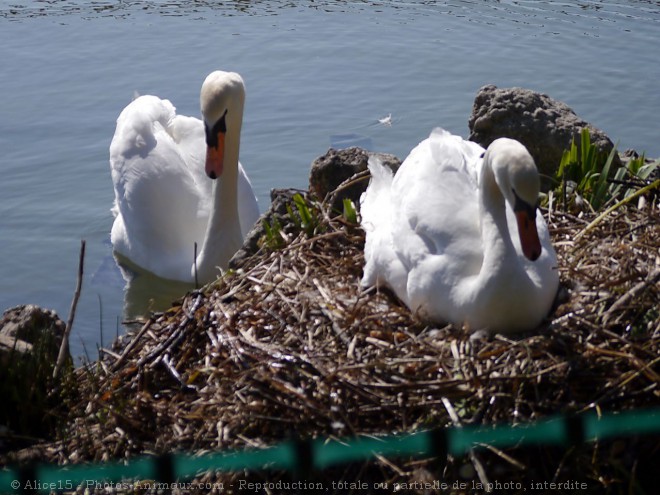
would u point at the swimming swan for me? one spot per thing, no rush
(456, 235)
(164, 202)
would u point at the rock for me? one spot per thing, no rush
(277, 211)
(24, 326)
(544, 125)
(336, 167)
(30, 339)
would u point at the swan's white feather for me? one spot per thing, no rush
(376, 211)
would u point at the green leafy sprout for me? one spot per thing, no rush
(585, 175)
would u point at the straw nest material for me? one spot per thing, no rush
(290, 344)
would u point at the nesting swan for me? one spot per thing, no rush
(162, 168)
(456, 234)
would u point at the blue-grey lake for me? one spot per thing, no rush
(314, 70)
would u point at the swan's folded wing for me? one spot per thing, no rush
(156, 198)
(382, 264)
(437, 208)
(188, 134)
(454, 151)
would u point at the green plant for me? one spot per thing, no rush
(305, 218)
(644, 172)
(583, 168)
(635, 174)
(585, 175)
(302, 216)
(350, 212)
(275, 237)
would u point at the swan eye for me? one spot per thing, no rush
(212, 135)
(522, 205)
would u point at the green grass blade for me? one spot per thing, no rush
(645, 171)
(601, 185)
(350, 213)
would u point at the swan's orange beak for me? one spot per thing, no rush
(529, 236)
(215, 157)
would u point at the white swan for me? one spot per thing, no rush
(456, 235)
(164, 202)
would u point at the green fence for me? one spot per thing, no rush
(320, 454)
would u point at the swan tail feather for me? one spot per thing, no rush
(375, 211)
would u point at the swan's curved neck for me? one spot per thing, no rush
(223, 231)
(497, 242)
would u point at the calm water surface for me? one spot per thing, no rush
(314, 71)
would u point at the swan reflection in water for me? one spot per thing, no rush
(145, 292)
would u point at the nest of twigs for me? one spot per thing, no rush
(290, 344)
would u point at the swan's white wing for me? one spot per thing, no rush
(437, 201)
(188, 134)
(447, 149)
(437, 232)
(382, 263)
(157, 200)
